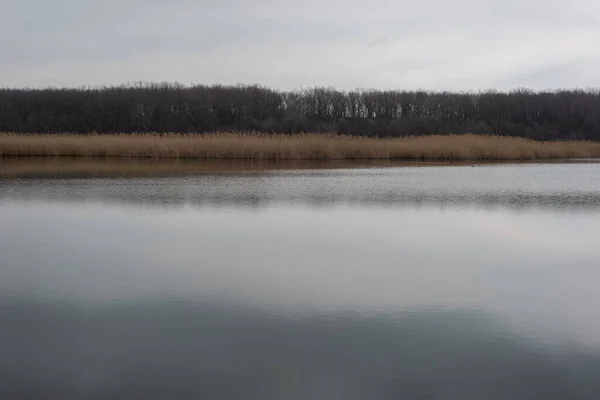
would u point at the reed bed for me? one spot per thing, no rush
(231, 146)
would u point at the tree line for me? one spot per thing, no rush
(167, 107)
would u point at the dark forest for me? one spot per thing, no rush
(167, 107)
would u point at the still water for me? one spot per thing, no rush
(412, 282)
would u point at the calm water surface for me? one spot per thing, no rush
(365, 283)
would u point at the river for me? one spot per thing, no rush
(408, 282)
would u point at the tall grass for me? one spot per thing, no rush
(230, 146)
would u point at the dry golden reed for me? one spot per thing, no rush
(231, 146)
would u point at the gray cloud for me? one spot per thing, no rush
(431, 44)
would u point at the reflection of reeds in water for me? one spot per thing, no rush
(229, 146)
(39, 167)
(98, 167)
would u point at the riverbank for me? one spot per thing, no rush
(230, 146)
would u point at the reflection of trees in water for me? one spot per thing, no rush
(199, 350)
(262, 191)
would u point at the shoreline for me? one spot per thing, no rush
(87, 167)
(301, 147)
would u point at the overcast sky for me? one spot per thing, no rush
(287, 44)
